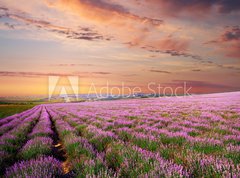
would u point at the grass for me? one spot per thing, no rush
(101, 143)
(37, 148)
(235, 157)
(222, 132)
(208, 149)
(76, 149)
(118, 155)
(81, 129)
(166, 153)
(125, 136)
(10, 109)
(35, 151)
(207, 171)
(193, 134)
(172, 140)
(146, 144)
(114, 158)
(232, 141)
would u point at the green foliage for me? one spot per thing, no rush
(133, 117)
(81, 129)
(40, 135)
(72, 123)
(123, 135)
(235, 157)
(166, 153)
(172, 140)
(237, 128)
(9, 148)
(110, 127)
(136, 164)
(76, 150)
(35, 151)
(232, 141)
(10, 109)
(72, 149)
(207, 171)
(114, 158)
(101, 143)
(208, 149)
(65, 133)
(193, 134)
(175, 129)
(146, 144)
(165, 114)
(98, 166)
(222, 132)
(97, 124)
(201, 128)
(86, 166)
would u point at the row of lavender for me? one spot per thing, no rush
(183, 137)
(13, 131)
(29, 144)
(167, 137)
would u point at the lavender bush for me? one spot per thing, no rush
(35, 147)
(37, 168)
(195, 136)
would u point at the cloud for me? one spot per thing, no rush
(196, 70)
(201, 86)
(228, 42)
(231, 34)
(42, 74)
(112, 21)
(160, 71)
(3, 9)
(168, 44)
(232, 67)
(119, 22)
(82, 33)
(71, 65)
(30, 74)
(100, 10)
(126, 27)
(102, 73)
(9, 25)
(129, 75)
(179, 49)
(198, 84)
(217, 65)
(194, 7)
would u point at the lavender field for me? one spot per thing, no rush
(197, 136)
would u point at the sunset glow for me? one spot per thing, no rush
(129, 41)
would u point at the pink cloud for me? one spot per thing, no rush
(228, 42)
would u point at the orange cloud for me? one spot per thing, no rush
(165, 45)
(125, 26)
(42, 74)
(172, 44)
(229, 42)
(101, 11)
(195, 8)
(81, 33)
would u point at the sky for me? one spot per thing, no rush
(135, 42)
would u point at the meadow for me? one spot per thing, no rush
(194, 136)
(10, 109)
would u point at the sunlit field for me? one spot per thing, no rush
(195, 136)
(10, 109)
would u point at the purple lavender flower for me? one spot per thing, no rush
(37, 168)
(35, 147)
